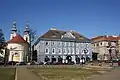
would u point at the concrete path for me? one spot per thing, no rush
(23, 74)
(113, 75)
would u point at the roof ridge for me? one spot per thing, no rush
(17, 39)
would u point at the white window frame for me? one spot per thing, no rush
(69, 43)
(59, 43)
(47, 44)
(53, 43)
(72, 44)
(64, 51)
(52, 50)
(65, 43)
(72, 50)
(77, 50)
(46, 52)
(69, 51)
(59, 51)
(77, 44)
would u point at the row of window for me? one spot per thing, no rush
(64, 51)
(66, 43)
(60, 43)
(105, 44)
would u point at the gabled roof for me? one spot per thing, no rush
(53, 34)
(106, 38)
(17, 39)
(57, 34)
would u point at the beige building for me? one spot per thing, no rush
(102, 46)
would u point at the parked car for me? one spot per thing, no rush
(48, 63)
(1, 63)
(22, 63)
(41, 63)
(119, 63)
(12, 63)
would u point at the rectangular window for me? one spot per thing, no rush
(53, 43)
(69, 43)
(72, 44)
(72, 50)
(64, 51)
(53, 50)
(97, 44)
(59, 43)
(77, 44)
(46, 51)
(59, 51)
(77, 51)
(68, 50)
(46, 44)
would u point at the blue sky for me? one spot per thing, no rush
(89, 17)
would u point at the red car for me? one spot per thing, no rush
(119, 63)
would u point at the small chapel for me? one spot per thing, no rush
(18, 46)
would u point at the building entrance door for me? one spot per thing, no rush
(69, 58)
(16, 57)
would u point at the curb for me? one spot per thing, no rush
(16, 74)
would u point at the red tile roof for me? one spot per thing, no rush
(106, 38)
(17, 39)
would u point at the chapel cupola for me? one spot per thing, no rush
(13, 30)
(26, 33)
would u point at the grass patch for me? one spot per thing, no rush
(7, 73)
(63, 73)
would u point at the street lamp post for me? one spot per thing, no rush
(85, 52)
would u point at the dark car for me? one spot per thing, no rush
(41, 63)
(1, 63)
(22, 63)
(12, 63)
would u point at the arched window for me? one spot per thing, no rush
(53, 50)
(46, 43)
(46, 50)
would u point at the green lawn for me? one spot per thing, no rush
(7, 73)
(63, 73)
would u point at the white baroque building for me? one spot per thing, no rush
(62, 46)
(18, 46)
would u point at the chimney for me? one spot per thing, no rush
(53, 29)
